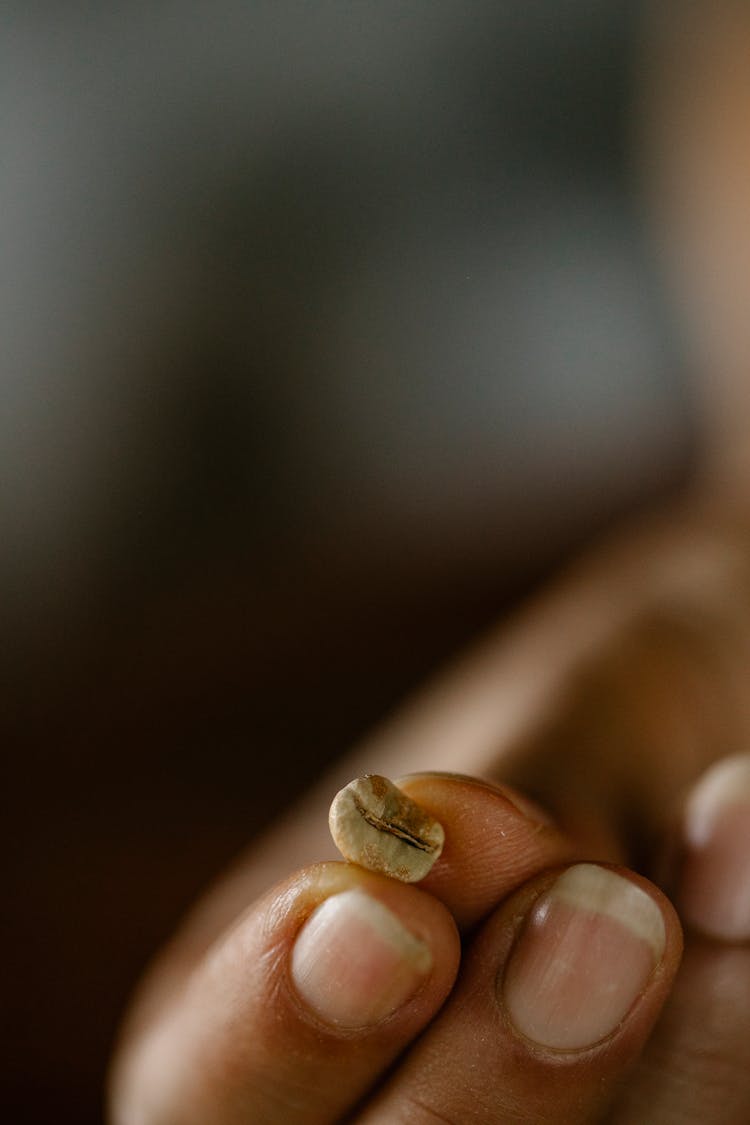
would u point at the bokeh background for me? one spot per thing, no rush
(327, 332)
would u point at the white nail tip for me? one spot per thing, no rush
(726, 783)
(354, 963)
(600, 891)
(356, 906)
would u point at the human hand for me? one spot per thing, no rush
(243, 1042)
(299, 1011)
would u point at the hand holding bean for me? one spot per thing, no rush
(346, 992)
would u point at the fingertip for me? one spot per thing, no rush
(495, 840)
(364, 949)
(594, 952)
(559, 990)
(299, 1008)
(713, 877)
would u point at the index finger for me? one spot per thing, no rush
(495, 840)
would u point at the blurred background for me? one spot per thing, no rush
(327, 332)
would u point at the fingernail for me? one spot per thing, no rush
(530, 809)
(584, 956)
(714, 889)
(355, 963)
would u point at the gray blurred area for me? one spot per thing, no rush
(326, 332)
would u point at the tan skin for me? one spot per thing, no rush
(183, 1058)
(605, 702)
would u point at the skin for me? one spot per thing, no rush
(604, 702)
(216, 1032)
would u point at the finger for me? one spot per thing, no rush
(297, 1010)
(495, 839)
(713, 892)
(557, 996)
(695, 1066)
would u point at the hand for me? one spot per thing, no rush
(299, 1011)
(225, 1032)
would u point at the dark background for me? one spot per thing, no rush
(328, 332)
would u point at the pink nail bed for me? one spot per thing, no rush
(584, 955)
